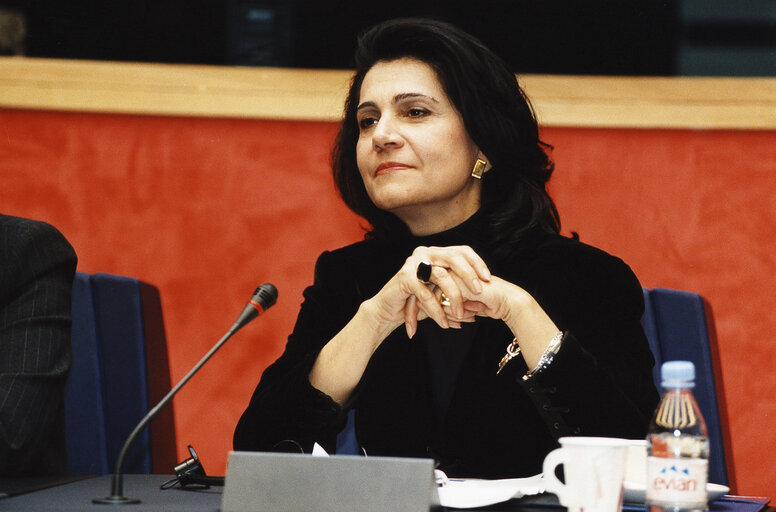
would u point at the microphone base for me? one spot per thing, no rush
(116, 500)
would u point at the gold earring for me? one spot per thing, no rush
(479, 168)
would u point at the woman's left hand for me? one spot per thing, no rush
(505, 301)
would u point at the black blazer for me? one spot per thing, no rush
(37, 266)
(599, 384)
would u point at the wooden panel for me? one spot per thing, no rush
(654, 102)
(317, 95)
(269, 93)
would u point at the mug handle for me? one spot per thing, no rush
(551, 483)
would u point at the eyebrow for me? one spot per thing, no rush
(399, 98)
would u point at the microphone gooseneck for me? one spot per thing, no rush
(262, 299)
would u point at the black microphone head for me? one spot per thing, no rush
(262, 299)
(265, 295)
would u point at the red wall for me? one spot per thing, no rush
(206, 209)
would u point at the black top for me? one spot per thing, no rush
(495, 426)
(37, 266)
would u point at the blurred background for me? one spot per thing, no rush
(590, 37)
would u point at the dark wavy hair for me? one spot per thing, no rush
(496, 113)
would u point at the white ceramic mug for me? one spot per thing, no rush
(636, 463)
(594, 469)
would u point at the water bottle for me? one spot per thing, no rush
(677, 445)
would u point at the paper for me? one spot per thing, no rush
(473, 493)
(319, 451)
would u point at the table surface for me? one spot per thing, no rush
(77, 496)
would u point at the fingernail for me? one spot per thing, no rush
(477, 285)
(410, 331)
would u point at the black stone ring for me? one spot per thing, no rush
(424, 272)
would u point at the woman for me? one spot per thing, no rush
(513, 335)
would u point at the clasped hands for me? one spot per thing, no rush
(460, 275)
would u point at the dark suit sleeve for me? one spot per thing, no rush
(600, 383)
(36, 278)
(285, 408)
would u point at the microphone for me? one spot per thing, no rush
(261, 300)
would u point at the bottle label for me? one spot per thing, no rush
(671, 480)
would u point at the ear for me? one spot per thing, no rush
(482, 156)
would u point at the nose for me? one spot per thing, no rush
(386, 134)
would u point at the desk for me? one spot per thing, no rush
(77, 497)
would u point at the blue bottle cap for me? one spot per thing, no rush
(678, 374)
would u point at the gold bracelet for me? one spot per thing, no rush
(513, 350)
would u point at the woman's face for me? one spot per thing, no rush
(413, 151)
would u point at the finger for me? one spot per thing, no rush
(468, 317)
(428, 303)
(461, 261)
(462, 268)
(474, 306)
(419, 286)
(423, 271)
(411, 316)
(475, 261)
(456, 318)
(448, 293)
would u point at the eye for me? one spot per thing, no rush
(417, 112)
(366, 121)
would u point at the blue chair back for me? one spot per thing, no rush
(679, 326)
(347, 444)
(119, 368)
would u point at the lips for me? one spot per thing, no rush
(387, 167)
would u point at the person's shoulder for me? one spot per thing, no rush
(571, 260)
(31, 249)
(567, 267)
(355, 252)
(367, 262)
(556, 248)
(12, 225)
(25, 228)
(22, 235)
